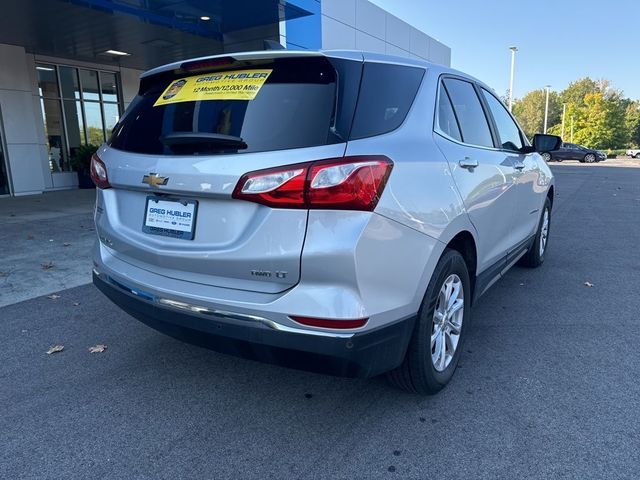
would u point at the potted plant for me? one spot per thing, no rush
(81, 163)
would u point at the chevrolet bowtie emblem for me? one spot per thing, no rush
(154, 180)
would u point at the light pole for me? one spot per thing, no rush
(513, 63)
(564, 112)
(571, 128)
(546, 108)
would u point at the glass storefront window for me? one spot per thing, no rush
(109, 86)
(54, 134)
(95, 129)
(75, 124)
(47, 80)
(69, 82)
(89, 81)
(111, 117)
(79, 106)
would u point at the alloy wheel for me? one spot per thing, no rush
(544, 231)
(447, 322)
(546, 156)
(590, 158)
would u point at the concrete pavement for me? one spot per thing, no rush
(46, 241)
(547, 386)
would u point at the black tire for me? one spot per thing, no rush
(559, 160)
(637, 156)
(533, 258)
(417, 373)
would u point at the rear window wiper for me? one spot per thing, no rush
(214, 141)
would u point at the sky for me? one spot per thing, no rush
(558, 40)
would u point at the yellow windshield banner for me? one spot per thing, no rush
(235, 85)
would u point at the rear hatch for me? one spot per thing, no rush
(188, 137)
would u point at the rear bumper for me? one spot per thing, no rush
(364, 354)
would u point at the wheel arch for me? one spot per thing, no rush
(551, 195)
(464, 243)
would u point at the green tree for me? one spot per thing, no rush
(632, 123)
(576, 91)
(602, 121)
(529, 111)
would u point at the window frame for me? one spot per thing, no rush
(60, 98)
(494, 125)
(436, 125)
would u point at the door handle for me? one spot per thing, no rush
(518, 165)
(468, 162)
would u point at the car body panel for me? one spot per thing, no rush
(239, 237)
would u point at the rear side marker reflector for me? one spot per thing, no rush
(347, 183)
(330, 323)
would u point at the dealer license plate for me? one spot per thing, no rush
(170, 218)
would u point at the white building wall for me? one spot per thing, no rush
(361, 25)
(25, 141)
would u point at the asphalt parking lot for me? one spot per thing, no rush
(547, 387)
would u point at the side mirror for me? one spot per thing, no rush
(546, 143)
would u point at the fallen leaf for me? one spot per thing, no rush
(66, 244)
(47, 266)
(75, 304)
(588, 284)
(24, 331)
(55, 349)
(522, 284)
(51, 239)
(97, 349)
(53, 296)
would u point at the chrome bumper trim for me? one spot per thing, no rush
(192, 308)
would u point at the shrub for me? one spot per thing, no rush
(81, 157)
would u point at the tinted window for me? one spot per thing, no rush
(294, 108)
(447, 122)
(473, 123)
(508, 131)
(385, 98)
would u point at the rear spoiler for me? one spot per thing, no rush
(232, 61)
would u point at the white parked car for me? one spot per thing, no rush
(635, 153)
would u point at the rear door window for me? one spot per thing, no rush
(386, 95)
(294, 108)
(473, 123)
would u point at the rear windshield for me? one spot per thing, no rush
(295, 107)
(304, 102)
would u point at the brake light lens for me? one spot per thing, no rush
(330, 322)
(206, 64)
(348, 183)
(98, 172)
(276, 187)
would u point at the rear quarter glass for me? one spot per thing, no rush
(386, 96)
(296, 107)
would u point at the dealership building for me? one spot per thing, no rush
(69, 68)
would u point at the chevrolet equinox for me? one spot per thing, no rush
(333, 211)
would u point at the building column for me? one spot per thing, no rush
(23, 126)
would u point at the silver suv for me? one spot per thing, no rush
(332, 211)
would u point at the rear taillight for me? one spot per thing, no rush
(330, 322)
(99, 172)
(348, 183)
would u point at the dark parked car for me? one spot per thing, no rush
(571, 151)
